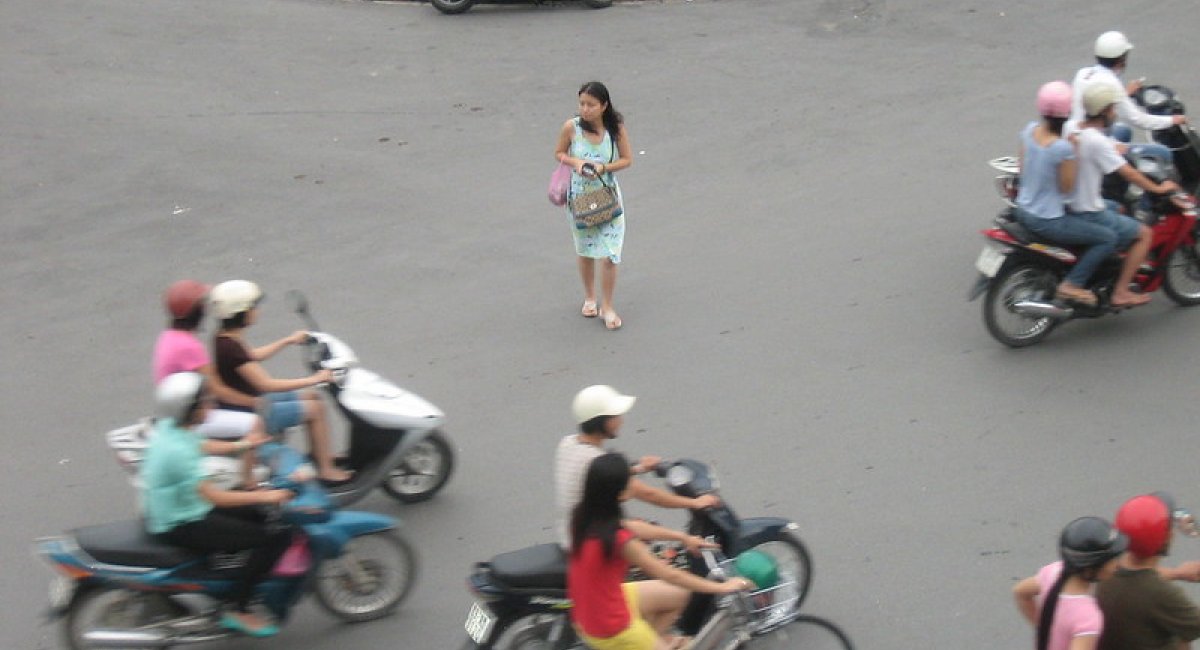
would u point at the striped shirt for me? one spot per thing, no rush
(571, 463)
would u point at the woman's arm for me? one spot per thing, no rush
(636, 553)
(1067, 170)
(271, 349)
(624, 154)
(1025, 594)
(562, 149)
(258, 377)
(223, 392)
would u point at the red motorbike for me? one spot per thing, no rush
(1019, 271)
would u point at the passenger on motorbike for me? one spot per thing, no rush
(226, 432)
(1058, 601)
(1142, 610)
(1048, 169)
(1108, 229)
(599, 410)
(608, 613)
(235, 303)
(185, 509)
(1112, 55)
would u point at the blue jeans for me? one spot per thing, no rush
(1124, 133)
(1102, 232)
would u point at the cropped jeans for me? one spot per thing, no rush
(1103, 233)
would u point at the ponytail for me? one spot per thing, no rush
(1049, 604)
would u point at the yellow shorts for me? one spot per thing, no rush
(638, 636)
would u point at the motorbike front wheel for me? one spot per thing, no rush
(115, 609)
(1181, 282)
(452, 6)
(807, 632)
(1015, 283)
(795, 566)
(373, 575)
(422, 471)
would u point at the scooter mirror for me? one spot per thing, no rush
(297, 300)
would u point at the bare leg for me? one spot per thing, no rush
(318, 441)
(608, 284)
(661, 603)
(1133, 259)
(587, 273)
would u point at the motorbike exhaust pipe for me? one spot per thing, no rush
(126, 639)
(1039, 309)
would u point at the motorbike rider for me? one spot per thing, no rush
(1112, 55)
(184, 508)
(608, 613)
(177, 349)
(599, 411)
(239, 367)
(1097, 155)
(1142, 609)
(1058, 601)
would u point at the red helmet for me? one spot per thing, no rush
(1146, 520)
(183, 296)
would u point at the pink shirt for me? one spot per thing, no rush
(178, 351)
(1076, 614)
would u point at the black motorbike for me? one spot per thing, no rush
(521, 596)
(459, 6)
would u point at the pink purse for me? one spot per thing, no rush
(560, 182)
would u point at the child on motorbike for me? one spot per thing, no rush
(235, 303)
(226, 432)
(185, 509)
(607, 612)
(1058, 601)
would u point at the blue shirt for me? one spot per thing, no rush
(1039, 194)
(171, 474)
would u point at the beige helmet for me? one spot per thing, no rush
(594, 401)
(231, 298)
(1099, 96)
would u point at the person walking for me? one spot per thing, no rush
(595, 145)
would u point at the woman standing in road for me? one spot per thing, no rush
(596, 138)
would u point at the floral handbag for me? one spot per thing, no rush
(596, 207)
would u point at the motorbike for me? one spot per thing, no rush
(395, 440)
(521, 596)
(119, 587)
(1019, 271)
(459, 6)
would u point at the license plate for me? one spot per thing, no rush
(990, 260)
(479, 623)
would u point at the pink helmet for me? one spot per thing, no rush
(1054, 99)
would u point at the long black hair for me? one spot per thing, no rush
(611, 118)
(1050, 604)
(599, 512)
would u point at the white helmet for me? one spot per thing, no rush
(231, 298)
(178, 396)
(1112, 45)
(594, 401)
(1099, 96)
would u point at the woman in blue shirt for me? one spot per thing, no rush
(184, 508)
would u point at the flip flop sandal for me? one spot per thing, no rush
(1083, 297)
(589, 309)
(612, 321)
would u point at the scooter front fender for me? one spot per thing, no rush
(977, 289)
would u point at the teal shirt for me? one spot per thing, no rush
(171, 474)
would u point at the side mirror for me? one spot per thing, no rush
(297, 301)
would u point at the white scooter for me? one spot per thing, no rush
(395, 440)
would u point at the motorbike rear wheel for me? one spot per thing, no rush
(113, 608)
(1181, 281)
(422, 471)
(452, 6)
(1018, 282)
(794, 564)
(381, 574)
(808, 632)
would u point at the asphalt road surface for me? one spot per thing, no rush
(803, 215)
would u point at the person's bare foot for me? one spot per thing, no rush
(612, 321)
(589, 309)
(1129, 299)
(335, 475)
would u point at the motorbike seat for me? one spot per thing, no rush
(543, 566)
(126, 543)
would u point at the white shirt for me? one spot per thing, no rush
(571, 463)
(1097, 156)
(1127, 109)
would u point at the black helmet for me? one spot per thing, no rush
(1090, 542)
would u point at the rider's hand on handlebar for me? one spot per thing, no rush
(705, 501)
(322, 376)
(1167, 187)
(299, 337)
(1179, 119)
(646, 464)
(734, 585)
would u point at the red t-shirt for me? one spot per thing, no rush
(594, 586)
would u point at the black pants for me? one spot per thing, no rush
(236, 529)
